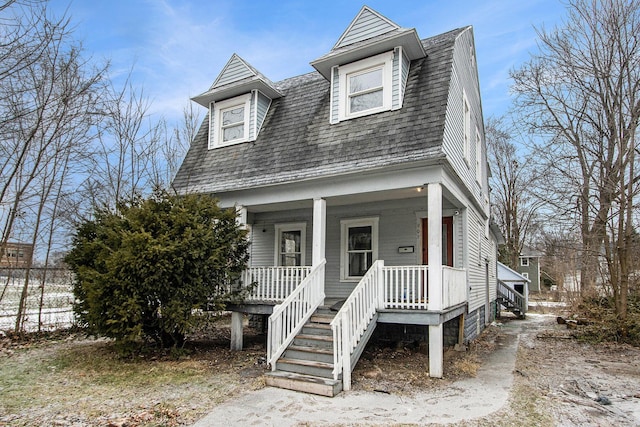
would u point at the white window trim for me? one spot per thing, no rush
(466, 122)
(216, 112)
(294, 226)
(525, 275)
(524, 262)
(479, 173)
(345, 224)
(383, 61)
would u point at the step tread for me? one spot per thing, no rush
(327, 338)
(317, 325)
(304, 383)
(301, 362)
(310, 349)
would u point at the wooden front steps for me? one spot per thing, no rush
(307, 364)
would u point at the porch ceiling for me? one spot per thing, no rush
(351, 199)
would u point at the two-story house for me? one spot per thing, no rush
(364, 187)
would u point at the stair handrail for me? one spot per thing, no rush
(289, 317)
(353, 319)
(510, 294)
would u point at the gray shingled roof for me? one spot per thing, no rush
(297, 142)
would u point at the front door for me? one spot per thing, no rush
(447, 241)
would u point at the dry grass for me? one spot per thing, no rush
(83, 382)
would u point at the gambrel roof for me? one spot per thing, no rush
(298, 142)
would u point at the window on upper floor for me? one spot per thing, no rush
(524, 262)
(467, 127)
(478, 158)
(365, 86)
(230, 121)
(525, 275)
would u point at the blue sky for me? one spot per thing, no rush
(178, 47)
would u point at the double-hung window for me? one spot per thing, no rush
(478, 158)
(365, 86)
(467, 126)
(359, 247)
(290, 244)
(230, 121)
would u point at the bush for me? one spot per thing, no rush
(603, 323)
(142, 271)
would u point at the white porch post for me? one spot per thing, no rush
(241, 211)
(319, 230)
(236, 316)
(434, 224)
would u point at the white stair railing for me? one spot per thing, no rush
(353, 320)
(289, 317)
(518, 300)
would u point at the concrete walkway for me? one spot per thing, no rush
(462, 400)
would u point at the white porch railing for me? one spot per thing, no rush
(353, 320)
(454, 286)
(406, 286)
(273, 283)
(289, 317)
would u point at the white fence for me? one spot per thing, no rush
(49, 299)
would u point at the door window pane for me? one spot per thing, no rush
(291, 248)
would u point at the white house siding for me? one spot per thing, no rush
(396, 100)
(366, 26)
(398, 226)
(263, 235)
(404, 74)
(235, 70)
(335, 95)
(464, 81)
(252, 116)
(263, 106)
(480, 250)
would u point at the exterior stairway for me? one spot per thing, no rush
(511, 299)
(307, 364)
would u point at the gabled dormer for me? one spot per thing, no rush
(238, 102)
(368, 66)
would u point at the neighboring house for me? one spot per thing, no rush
(529, 267)
(16, 255)
(513, 290)
(364, 187)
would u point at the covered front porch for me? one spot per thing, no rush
(397, 259)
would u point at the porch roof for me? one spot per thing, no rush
(297, 142)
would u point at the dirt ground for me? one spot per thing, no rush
(557, 381)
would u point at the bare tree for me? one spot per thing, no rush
(581, 95)
(515, 205)
(48, 94)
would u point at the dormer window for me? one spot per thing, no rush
(230, 121)
(365, 86)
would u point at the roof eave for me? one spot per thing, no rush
(235, 89)
(409, 41)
